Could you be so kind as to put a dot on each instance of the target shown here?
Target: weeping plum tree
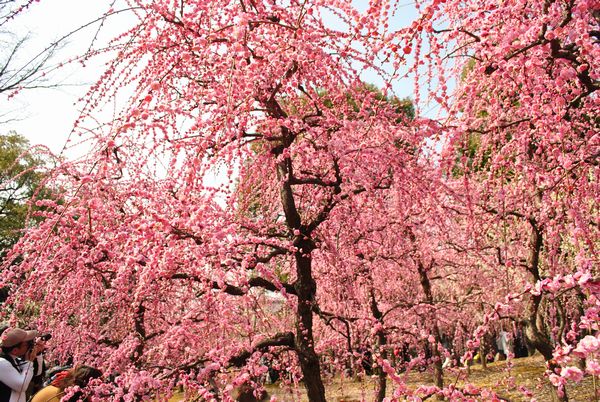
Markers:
(529, 97)
(410, 286)
(150, 272)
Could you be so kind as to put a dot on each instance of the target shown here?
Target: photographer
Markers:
(19, 351)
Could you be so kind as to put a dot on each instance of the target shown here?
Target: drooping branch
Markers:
(285, 339)
(255, 282)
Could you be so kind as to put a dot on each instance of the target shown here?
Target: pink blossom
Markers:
(556, 380)
(589, 344)
(572, 373)
(336, 213)
(471, 389)
(592, 367)
(585, 277)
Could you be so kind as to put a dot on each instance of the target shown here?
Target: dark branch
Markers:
(282, 339)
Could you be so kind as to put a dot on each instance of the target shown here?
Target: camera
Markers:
(45, 337)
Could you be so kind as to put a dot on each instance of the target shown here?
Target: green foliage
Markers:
(20, 179)
(403, 107)
(468, 67)
(476, 159)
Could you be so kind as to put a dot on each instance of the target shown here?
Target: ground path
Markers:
(527, 372)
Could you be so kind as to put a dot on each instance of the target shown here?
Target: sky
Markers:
(46, 116)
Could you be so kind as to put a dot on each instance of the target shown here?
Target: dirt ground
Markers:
(527, 372)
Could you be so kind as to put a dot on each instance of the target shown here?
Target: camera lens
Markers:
(45, 337)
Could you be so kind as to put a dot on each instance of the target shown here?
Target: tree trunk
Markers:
(534, 331)
(381, 343)
(306, 288)
(438, 372)
(309, 360)
(542, 344)
(381, 384)
(483, 354)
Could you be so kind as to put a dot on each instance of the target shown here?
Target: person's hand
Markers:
(35, 350)
(41, 345)
(31, 354)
